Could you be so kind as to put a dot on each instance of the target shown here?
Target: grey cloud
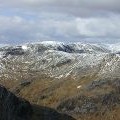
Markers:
(82, 8)
(16, 29)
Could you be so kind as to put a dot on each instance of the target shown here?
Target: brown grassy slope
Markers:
(46, 91)
(49, 92)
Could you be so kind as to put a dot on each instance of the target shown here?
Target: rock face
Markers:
(12, 107)
(14, 51)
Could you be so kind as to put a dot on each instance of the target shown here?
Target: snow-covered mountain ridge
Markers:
(58, 59)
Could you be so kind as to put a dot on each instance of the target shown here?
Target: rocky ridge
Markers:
(59, 60)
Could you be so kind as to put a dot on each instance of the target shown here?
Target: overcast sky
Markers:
(24, 21)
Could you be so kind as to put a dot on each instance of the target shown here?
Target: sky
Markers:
(95, 21)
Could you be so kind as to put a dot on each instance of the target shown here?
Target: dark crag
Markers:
(12, 107)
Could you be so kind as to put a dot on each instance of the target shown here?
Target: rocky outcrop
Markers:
(87, 105)
(103, 95)
(14, 51)
(12, 107)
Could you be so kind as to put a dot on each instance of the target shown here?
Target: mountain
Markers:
(72, 78)
(58, 59)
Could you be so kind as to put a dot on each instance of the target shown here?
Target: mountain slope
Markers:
(67, 77)
(59, 59)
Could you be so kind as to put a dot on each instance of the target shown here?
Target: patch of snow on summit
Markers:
(53, 43)
(24, 47)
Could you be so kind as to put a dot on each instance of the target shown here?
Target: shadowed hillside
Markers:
(45, 113)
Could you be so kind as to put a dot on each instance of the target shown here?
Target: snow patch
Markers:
(78, 87)
(24, 47)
